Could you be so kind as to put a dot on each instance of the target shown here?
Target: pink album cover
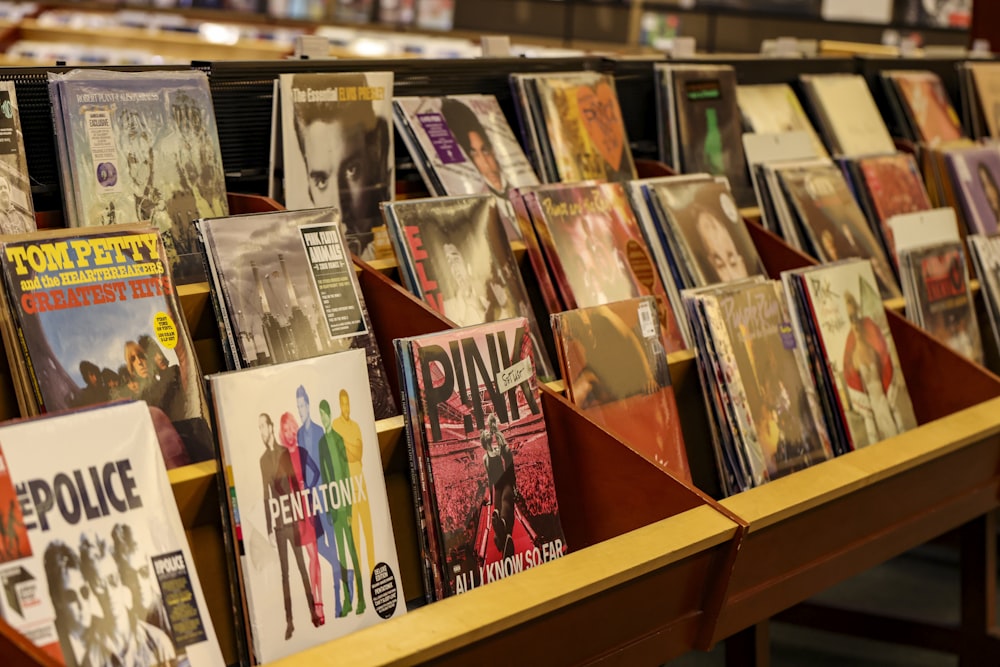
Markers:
(596, 249)
(491, 488)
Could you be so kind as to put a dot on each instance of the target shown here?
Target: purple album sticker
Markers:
(787, 335)
(441, 137)
(107, 174)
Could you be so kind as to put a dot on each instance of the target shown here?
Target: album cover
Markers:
(487, 464)
(741, 457)
(287, 290)
(709, 128)
(860, 355)
(584, 127)
(893, 185)
(833, 222)
(308, 501)
(93, 317)
(466, 143)
(774, 108)
(848, 117)
(975, 176)
(941, 302)
(614, 364)
(338, 152)
(926, 105)
(779, 391)
(104, 575)
(456, 257)
(986, 86)
(462, 145)
(985, 252)
(17, 211)
(141, 147)
(712, 239)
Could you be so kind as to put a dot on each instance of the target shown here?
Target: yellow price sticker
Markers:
(166, 330)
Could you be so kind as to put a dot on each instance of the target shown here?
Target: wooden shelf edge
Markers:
(390, 434)
(171, 43)
(457, 622)
(792, 495)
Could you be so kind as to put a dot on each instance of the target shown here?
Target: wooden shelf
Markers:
(173, 46)
(648, 582)
(656, 567)
(680, 570)
(862, 508)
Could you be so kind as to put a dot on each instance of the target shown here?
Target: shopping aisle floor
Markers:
(922, 585)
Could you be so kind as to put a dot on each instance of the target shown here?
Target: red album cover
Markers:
(596, 250)
(928, 106)
(894, 186)
(534, 250)
(947, 311)
(615, 366)
(14, 542)
(483, 431)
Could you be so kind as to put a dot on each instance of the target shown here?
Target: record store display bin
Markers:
(656, 567)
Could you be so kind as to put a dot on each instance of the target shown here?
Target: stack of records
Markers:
(615, 367)
(776, 211)
(888, 185)
(818, 214)
(934, 167)
(92, 316)
(596, 250)
(284, 288)
(763, 410)
(479, 457)
(572, 125)
(849, 120)
(700, 128)
(550, 299)
(985, 253)
(979, 84)
(454, 255)
(839, 317)
(773, 108)
(920, 106)
(304, 473)
(938, 299)
(696, 232)
(137, 147)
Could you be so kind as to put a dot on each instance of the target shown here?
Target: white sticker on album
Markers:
(104, 154)
(647, 321)
(510, 377)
